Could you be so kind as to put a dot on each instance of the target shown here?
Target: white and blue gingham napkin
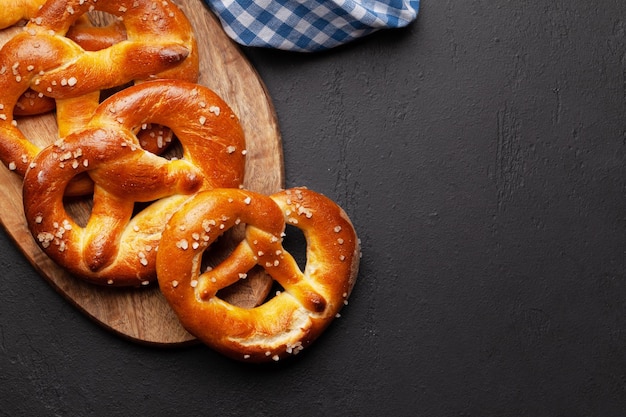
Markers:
(309, 25)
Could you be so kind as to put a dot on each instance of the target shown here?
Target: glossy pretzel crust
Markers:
(116, 247)
(158, 43)
(308, 301)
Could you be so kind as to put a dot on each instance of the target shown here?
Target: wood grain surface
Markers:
(142, 314)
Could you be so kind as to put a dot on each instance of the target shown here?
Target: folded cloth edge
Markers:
(309, 25)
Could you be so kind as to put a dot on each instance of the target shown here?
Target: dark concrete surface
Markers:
(481, 155)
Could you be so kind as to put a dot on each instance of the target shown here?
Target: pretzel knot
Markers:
(116, 246)
(159, 43)
(83, 32)
(309, 299)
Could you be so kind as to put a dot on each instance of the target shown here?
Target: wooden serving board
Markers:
(142, 314)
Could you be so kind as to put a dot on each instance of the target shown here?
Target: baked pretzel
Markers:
(159, 40)
(115, 247)
(309, 299)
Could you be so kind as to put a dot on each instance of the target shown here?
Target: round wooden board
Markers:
(142, 314)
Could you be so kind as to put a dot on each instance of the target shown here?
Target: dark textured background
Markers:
(481, 155)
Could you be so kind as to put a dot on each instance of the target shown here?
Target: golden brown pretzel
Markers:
(159, 40)
(309, 300)
(115, 247)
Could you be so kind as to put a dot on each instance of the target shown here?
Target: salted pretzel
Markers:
(83, 32)
(308, 301)
(159, 40)
(116, 246)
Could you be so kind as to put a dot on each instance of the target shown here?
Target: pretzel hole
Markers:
(98, 30)
(172, 149)
(42, 132)
(295, 243)
(79, 208)
(274, 291)
(99, 18)
(251, 292)
(159, 140)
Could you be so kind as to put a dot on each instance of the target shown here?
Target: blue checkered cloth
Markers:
(309, 25)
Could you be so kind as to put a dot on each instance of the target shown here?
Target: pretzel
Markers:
(159, 43)
(114, 247)
(309, 301)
